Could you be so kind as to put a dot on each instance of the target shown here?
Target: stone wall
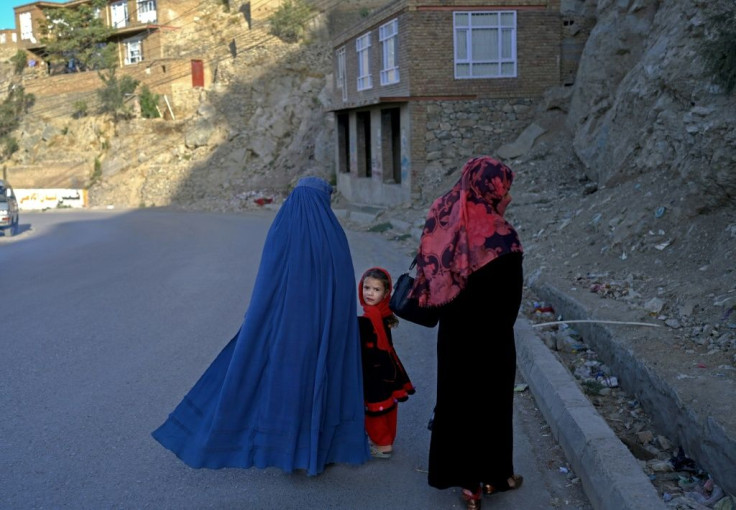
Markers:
(458, 130)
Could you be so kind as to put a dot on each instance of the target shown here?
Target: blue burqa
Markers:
(287, 390)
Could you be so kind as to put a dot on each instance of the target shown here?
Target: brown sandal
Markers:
(511, 484)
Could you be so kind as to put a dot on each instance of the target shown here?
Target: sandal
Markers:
(378, 454)
(472, 499)
(511, 484)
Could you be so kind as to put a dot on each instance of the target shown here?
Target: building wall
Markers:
(444, 120)
(56, 95)
(37, 18)
(458, 130)
(8, 38)
(538, 47)
(373, 95)
(380, 188)
(426, 53)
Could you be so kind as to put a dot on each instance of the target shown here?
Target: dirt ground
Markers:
(643, 243)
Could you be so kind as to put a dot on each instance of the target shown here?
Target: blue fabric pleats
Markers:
(286, 391)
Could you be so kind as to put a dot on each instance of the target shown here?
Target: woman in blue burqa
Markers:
(287, 390)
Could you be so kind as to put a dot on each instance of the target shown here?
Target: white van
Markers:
(8, 210)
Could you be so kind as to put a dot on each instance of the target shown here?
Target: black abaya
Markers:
(472, 433)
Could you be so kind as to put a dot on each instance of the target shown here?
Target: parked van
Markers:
(8, 210)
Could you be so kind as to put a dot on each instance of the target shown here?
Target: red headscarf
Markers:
(465, 230)
(376, 313)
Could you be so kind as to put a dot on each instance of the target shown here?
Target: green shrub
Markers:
(11, 111)
(20, 61)
(288, 22)
(80, 109)
(96, 173)
(9, 146)
(149, 103)
(719, 50)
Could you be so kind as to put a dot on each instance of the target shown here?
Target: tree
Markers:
(149, 103)
(114, 93)
(78, 36)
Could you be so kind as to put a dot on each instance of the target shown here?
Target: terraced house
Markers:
(147, 38)
(421, 85)
(139, 25)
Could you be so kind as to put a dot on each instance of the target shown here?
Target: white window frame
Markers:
(341, 77)
(474, 34)
(362, 48)
(147, 11)
(26, 27)
(133, 50)
(116, 9)
(388, 35)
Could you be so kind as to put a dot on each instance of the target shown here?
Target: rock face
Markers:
(643, 102)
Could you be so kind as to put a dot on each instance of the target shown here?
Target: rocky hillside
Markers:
(260, 126)
(644, 135)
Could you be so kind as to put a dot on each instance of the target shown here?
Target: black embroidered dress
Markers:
(385, 381)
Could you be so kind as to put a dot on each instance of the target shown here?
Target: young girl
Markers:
(385, 381)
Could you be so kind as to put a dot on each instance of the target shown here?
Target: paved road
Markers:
(109, 317)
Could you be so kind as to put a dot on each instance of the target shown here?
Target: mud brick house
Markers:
(422, 85)
(8, 38)
(148, 50)
(139, 25)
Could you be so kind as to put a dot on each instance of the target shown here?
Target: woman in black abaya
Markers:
(470, 263)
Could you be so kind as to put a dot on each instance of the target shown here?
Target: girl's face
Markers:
(373, 291)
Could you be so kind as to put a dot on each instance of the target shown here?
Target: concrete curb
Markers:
(703, 427)
(612, 478)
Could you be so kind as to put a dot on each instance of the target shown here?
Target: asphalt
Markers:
(612, 477)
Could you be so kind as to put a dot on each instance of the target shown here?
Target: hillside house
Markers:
(8, 38)
(140, 25)
(422, 85)
(146, 36)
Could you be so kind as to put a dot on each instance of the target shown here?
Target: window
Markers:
(485, 44)
(147, 11)
(26, 27)
(388, 35)
(119, 11)
(362, 46)
(133, 51)
(342, 83)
